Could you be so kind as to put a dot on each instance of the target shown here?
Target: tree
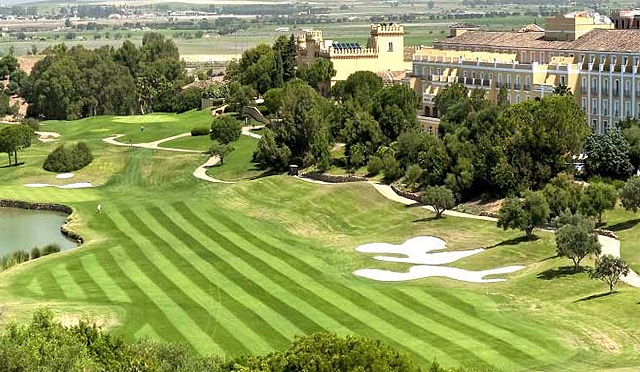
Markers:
(449, 96)
(503, 97)
(395, 110)
(318, 74)
(220, 150)
(439, 198)
(358, 128)
(563, 193)
(225, 129)
(609, 269)
(270, 154)
(362, 87)
(576, 242)
(630, 194)
(273, 100)
(526, 214)
(413, 175)
(562, 90)
(608, 155)
(239, 96)
(632, 135)
(597, 198)
(14, 138)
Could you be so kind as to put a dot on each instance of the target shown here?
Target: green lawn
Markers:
(202, 143)
(243, 268)
(238, 165)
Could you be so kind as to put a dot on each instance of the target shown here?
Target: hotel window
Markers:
(500, 79)
(627, 88)
(464, 74)
(527, 82)
(625, 59)
(581, 57)
(594, 106)
(523, 56)
(517, 86)
(605, 124)
(584, 104)
(592, 58)
(563, 80)
(390, 47)
(616, 87)
(542, 57)
(430, 70)
(627, 109)
(605, 107)
(439, 71)
(508, 80)
(616, 108)
(473, 75)
(605, 86)
(583, 85)
(602, 58)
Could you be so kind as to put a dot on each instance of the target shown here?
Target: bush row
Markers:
(200, 131)
(18, 257)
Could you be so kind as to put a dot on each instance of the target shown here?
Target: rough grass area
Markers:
(243, 268)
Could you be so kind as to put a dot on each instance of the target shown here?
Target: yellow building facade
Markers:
(579, 50)
(386, 53)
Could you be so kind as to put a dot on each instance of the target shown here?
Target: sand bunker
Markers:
(416, 252)
(79, 185)
(64, 176)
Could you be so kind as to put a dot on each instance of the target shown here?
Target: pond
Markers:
(22, 229)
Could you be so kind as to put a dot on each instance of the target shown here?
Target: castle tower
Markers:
(387, 39)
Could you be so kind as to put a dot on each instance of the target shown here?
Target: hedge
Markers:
(67, 159)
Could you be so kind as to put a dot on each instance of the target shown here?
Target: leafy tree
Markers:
(68, 159)
(608, 155)
(413, 175)
(576, 242)
(391, 168)
(597, 198)
(576, 219)
(221, 150)
(609, 269)
(239, 96)
(226, 129)
(632, 135)
(188, 99)
(439, 198)
(429, 152)
(450, 96)
(525, 214)
(375, 165)
(503, 97)
(362, 87)
(318, 74)
(359, 128)
(357, 157)
(8, 64)
(256, 69)
(273, 100)
(270, 154)
(630, 194)
(562, 194)
(395, 110)
(14, 138)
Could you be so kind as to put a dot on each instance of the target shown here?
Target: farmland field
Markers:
(242, 268)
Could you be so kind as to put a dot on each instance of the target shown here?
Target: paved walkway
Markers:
(612, 246)
(155, 145)
(247, 131)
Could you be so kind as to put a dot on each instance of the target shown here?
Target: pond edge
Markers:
(53, 207)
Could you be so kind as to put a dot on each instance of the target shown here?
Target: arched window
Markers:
(390, 46)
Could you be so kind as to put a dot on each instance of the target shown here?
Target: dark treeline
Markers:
(46, 345)
(71, 83)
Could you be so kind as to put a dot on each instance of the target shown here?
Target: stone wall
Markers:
(409, 195)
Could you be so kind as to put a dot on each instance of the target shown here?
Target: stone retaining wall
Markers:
(409, 195)
(333, 178)
(52, 207)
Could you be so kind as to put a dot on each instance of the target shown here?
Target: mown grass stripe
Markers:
(34, 288)
(229, 310)
(50, 285)
(532, 347)
(330, 299)
(111, 288)
(81, 277)
(180, 319)
(384, 313)
(247, 276)
(143, 310)
(503, 349)
(173, 288)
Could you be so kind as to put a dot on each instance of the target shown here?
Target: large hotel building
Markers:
(581, 50)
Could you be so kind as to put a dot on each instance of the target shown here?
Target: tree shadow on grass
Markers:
(427, 219)
(624, 225)
(558, 272)
(265, 173)
(12, 165)
(593, 297)
(514, 241)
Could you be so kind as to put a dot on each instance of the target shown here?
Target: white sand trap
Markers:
(416, 252)
(425, 271)
(64, 176)
(79, 185)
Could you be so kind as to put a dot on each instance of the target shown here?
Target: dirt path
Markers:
(247, 131)
(201, 171)
(612, 246)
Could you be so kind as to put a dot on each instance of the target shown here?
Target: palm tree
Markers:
(562, 90)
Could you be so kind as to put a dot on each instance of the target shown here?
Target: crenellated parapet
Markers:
(348, 53)
(387, 29)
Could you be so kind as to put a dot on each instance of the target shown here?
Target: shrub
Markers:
(50, 249)
(412, 175)
(375, 165)
(32, 123)
(392, 169)
(67, 159)
(35, 253)
(200, 131)
(14, 258)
